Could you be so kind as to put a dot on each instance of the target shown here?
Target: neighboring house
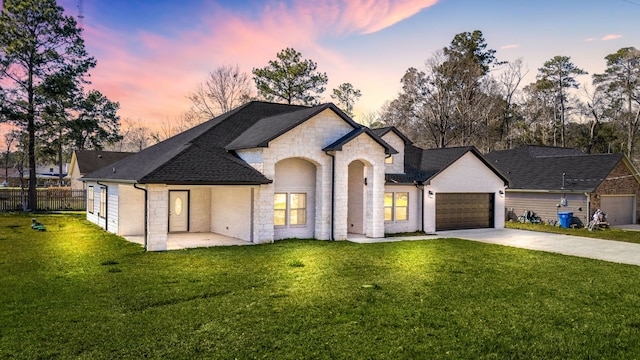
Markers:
(548, 180)
(266, 171)
(84, 162)
(46, 175)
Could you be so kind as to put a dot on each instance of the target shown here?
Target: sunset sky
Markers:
(152, 53)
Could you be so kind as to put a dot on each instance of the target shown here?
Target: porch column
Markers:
(341, 197)
(263, 214)
(375, 210)
(158, 217)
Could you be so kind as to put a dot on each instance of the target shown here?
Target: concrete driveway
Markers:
(613, 251)
(607, 250)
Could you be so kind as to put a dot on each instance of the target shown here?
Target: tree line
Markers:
(457, 99)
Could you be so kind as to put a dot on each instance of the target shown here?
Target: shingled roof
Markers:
(541, 168)
(422, 165)
(92, 160)
(205, 154)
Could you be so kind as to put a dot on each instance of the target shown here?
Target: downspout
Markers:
(333, 190)
(420, 186)
(146, 200)
(588, 208)
(106, 206)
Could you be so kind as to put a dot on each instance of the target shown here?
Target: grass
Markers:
(608, 234)
(75, 291)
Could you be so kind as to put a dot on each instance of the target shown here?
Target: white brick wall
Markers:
(414, 221)
(158, 210)
(468, 174)
(397, 167)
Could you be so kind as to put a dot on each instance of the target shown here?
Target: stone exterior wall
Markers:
(414, 221)
(158, 219)
(620, 181)
(397, 164)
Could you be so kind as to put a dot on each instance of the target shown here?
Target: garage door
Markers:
(619, 209)
(464, 211)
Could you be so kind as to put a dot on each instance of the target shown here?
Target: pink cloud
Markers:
(589, 39)
(611, 37)
(510, 46)
(150, 75)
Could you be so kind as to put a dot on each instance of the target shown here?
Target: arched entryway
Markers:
(294, 199)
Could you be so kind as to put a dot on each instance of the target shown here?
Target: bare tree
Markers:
(225, 88)
(510, 81)
(135, 136)
(169, 128)
(9, 138)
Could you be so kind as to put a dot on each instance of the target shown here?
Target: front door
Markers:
(178, 211)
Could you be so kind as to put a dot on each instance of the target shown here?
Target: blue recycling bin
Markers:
(565, 219)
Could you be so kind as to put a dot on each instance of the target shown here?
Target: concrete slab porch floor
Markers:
(178, 241)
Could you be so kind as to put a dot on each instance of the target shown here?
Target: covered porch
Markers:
(179, 241)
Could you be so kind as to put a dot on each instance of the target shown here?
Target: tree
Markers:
(452, 100)
(621, 81)
(37, 41)
(557, 76)
(10, 138)
(225, 88)
(96, 122)
(346, 95)
(510, 81)
(290, 79)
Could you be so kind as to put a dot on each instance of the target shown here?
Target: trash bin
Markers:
(566, 218)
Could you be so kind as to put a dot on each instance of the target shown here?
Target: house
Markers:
(84, 162)
(548, 180)
(266, 171)
(46, 175)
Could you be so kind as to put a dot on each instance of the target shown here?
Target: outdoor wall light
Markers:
(431, 194)
(365, 181)
(501, 192)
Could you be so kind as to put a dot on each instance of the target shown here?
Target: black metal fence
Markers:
(49, 199)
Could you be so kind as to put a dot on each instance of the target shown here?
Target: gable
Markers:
(468, 173)
(317, 132)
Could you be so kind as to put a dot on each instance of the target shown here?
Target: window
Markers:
(90, 203)
(298, 212)
(280, 209)
(388, 160)
(289, 209)
(396, 206)
(103, 202)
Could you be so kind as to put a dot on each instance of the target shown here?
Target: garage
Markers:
(464, 211)
(619, 209)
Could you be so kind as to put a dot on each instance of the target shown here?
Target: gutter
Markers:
(146, 216)
(420, 186)
(333, 191)
(106, 206)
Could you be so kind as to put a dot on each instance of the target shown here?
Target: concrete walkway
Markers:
(607, 250)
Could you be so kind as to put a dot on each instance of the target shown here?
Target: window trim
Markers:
(287, 210)
(91, 199)
(103, 202)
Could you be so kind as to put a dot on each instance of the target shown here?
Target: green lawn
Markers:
(76, 292)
